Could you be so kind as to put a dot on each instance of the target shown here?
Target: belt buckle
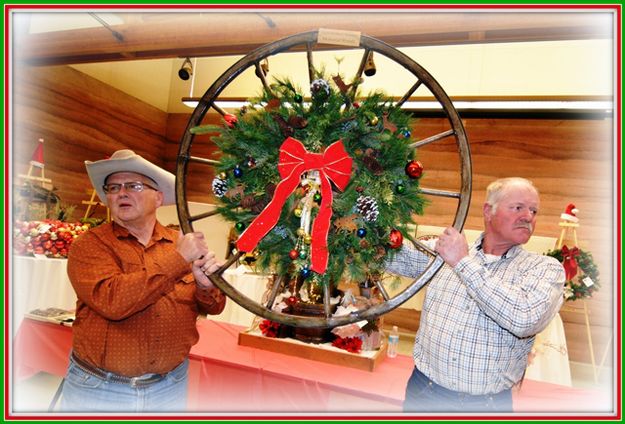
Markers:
(134, 381)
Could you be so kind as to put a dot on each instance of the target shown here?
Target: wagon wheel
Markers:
(306, 41)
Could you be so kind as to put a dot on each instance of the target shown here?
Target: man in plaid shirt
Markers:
(483, 308)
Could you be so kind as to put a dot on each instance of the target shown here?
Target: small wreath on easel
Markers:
(582, 275)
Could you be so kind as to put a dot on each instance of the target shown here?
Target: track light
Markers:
(186, 70)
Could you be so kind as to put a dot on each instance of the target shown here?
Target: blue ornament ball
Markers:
(238, 172)
(305, 272)
(361, 232)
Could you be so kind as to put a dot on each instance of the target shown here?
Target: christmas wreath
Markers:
(582, 275)
(323, 188)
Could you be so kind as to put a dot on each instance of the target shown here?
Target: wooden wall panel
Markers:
(80, 118)
(569, 161)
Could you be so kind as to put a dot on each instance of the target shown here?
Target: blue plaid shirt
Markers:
(479, 318)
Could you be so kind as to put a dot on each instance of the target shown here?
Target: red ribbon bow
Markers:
(334, 164)
(569, 262)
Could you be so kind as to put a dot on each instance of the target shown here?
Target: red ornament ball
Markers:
(292, 300)
(395, 239)
(293, 254)
(230, 119)
(414, 169)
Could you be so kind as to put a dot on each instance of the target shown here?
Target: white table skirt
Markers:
(39, 283)
(248, 283)
(549, 359)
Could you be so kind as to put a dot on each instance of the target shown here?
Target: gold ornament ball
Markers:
(307, 239)
(300, 232)
(374, 120)
(222, 175)
(297, 212)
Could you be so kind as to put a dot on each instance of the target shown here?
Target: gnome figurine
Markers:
(570, 214)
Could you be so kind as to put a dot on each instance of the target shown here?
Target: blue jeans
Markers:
(423, 395)
(84, 392)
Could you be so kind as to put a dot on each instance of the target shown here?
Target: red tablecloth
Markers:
(226, 377)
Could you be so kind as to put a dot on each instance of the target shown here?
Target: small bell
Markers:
(263, 69)
(370, 66)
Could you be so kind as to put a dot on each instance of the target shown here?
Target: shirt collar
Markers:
(511, 253)
(159, 233)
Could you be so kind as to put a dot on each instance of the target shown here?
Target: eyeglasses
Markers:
(132, 186)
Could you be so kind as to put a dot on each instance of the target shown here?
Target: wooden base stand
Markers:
(366, 360)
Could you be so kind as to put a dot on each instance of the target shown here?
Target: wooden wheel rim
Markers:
(252, 59)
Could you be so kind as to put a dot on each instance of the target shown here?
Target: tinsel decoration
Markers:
(368, 208)
(220, 186)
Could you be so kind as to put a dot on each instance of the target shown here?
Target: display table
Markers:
(248, 283)
(549, 359)
(39, 284)
(226, 377)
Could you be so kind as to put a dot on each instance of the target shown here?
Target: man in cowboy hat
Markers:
(140, 289)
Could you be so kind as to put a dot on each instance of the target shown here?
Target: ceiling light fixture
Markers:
(186, 70)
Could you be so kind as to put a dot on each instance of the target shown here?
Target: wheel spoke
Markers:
(205, 161)
(409, 93)
(432, 139)
(442, 193)
(203, 215)
(382, 290)
(326, 300)
(423, 247)
(277, 284)
(229, 262)
(361, 68)
(311, 66)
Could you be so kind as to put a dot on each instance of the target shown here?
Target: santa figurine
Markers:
(570, 213)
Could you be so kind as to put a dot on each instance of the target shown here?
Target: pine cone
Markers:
(248, 201)
(320, 87)
(219, 187)
(373, 165)
(368, 208)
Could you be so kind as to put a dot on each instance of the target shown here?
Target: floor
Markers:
(36, 393)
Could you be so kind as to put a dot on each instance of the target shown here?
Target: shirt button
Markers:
(453, 359)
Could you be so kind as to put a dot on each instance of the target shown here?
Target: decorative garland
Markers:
(322, 190)
(581, 271)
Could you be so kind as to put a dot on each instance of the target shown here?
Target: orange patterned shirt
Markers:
(137, 305)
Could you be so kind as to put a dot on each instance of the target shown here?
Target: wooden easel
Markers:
(571, 227)
(41, 179)
(37, 162)
(44, 182)
(92, 204)
(567, 227)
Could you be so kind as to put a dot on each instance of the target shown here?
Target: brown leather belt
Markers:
(144, 380)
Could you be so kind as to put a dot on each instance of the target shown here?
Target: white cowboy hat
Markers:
(128, 161)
